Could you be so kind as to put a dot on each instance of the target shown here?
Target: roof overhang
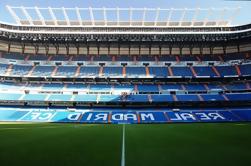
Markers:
(123, 17)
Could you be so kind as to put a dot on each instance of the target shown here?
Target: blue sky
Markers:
(244, 16)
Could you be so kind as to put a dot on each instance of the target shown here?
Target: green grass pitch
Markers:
(145, 145)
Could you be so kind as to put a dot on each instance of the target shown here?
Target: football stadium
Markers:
(128, 86)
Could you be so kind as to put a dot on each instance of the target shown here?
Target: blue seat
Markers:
(236, 86)
(245, 70)
(187, 58)
(10, 96)
(10, 85)
(43, 71)
(85, 98)
(209, 58)
(137, 98)
(68, 71)
(102, 58)
(89, 71)
(59, 97)
(171, 87)
(239, 97)
(3, 68)
(53, 86)
(59, 57)
(142, 58)
(121, 58)
(20, 70)
(80, 58)
(112, 71)
(161, 98)
(233, 56)
(214, 86)
(77, 86)
(187, 98)
(148, 88)
(158, 71)
(226, 70)
(15, 56)
(212, 97)
(182, 71)
(124, 88)
(110, 98)
(167, 58)
(100, 88)
(39, 57)
(195, 87)
(35, 97)
(135, 71)
(204, 71)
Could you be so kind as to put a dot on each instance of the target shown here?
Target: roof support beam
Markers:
(156, 17)
(13, 14)
(169, 16)
(130, 16)
(105, 16)
(27, 18)
(182, 16)
(66, 16)
(79, 16)
(144, 17)
(40, 15)
(91, 15)
(27, 15)
(53, 15)
(117, 16)
(196, 13)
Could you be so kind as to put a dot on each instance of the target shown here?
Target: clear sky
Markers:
(244, 16)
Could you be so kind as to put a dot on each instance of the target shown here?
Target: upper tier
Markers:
(127, 58)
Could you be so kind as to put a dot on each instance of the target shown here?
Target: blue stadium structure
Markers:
(51, 67)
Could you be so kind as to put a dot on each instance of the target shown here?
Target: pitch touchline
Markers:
(123, 147)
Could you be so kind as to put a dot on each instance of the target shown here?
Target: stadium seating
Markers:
(85, 98)
(182, 71)
(67, 71)
(100, 88)
(182, 66)
(40, 57)
(136, 98)
(139, 88)
(245, 70)
(161, 98)
(34, 97)
(158, 71)
(204, 71)
(112, 71)
(19, 70)
(80, 58)
(43, 71)
(89, 71)
(130, 71)
(147, 88)
(105, 57)
(135, 72)
(227, 71)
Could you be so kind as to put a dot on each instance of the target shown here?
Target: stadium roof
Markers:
(123, 17)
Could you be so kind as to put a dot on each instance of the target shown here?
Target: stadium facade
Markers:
(116, 65)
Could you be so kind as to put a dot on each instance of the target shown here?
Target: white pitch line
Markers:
(123, 147)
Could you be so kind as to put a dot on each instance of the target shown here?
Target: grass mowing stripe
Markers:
(123, 147)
